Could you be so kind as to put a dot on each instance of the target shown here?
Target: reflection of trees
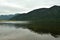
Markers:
(52, 28)
(54, 35)
(47, 27)
(20, 25)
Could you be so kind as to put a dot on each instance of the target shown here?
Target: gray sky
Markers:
(20, 6)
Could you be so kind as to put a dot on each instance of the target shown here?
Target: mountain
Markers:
(41, 14)
(5, 17)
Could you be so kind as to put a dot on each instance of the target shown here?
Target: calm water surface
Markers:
(9, 32)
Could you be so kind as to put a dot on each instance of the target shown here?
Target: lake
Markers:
(10, 32)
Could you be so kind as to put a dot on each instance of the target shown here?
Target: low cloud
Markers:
(25, 5)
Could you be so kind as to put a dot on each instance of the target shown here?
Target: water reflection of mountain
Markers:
(41, 30)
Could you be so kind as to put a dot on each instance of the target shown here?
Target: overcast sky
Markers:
(20, 6)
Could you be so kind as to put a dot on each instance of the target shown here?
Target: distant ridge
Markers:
(5, 17)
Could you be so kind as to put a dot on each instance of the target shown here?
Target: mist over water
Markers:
(9, 32)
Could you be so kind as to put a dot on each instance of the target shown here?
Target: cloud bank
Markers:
(21, 6)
